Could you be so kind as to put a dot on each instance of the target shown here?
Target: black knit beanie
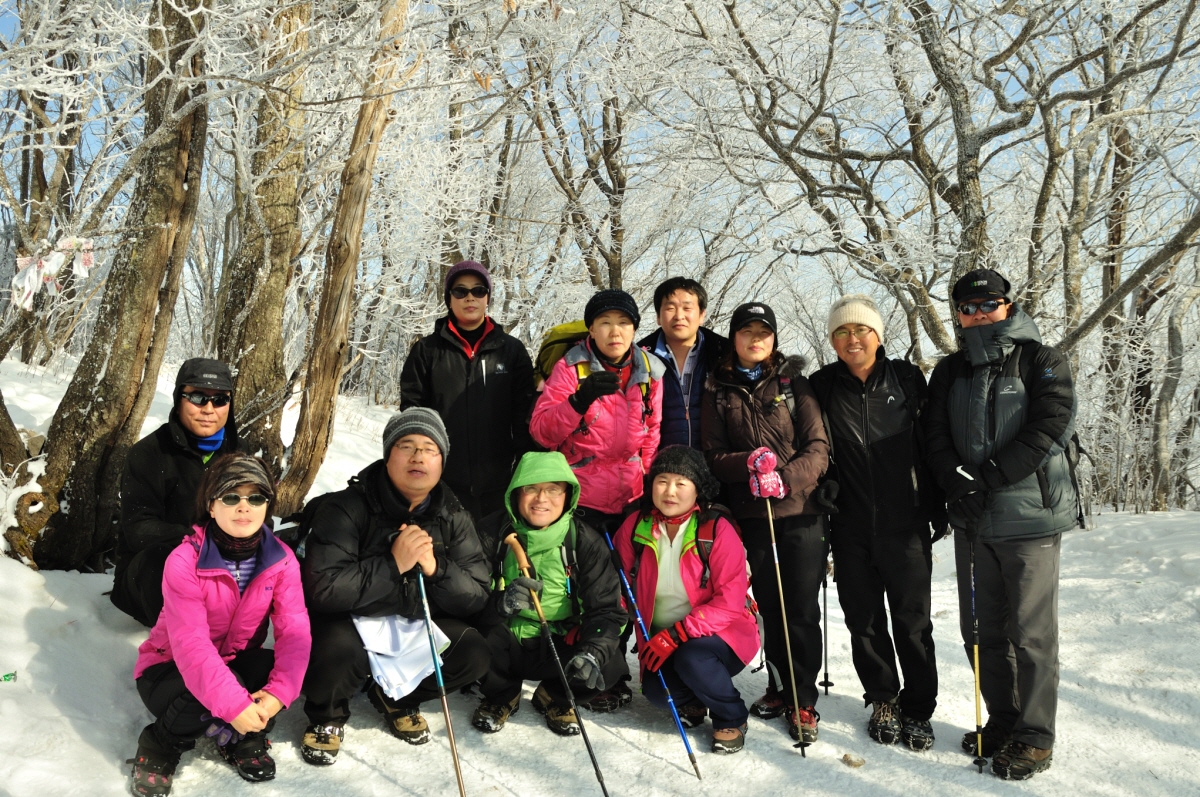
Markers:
(603, 301)
(689, 463)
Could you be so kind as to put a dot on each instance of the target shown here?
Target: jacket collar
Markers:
(270, 552)
(383, 498)
(491, 339)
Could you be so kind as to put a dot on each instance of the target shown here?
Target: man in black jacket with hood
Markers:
(480, 380)
(158, 484)
(367, 545)
(1000, 422)
(883, 509)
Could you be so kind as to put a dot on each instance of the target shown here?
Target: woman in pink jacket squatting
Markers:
(702, 633)
(204, 671)
(602, 408)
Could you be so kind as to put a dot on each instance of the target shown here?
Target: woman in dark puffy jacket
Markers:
(763, 437)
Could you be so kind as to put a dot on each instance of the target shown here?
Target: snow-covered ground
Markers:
(1129, 697)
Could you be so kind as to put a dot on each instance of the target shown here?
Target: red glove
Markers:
(661, 646)
(768, 485)
(761, 460)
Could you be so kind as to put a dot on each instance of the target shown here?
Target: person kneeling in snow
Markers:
(688, 571)
(579, 593)
(203, 670)
(368, 544)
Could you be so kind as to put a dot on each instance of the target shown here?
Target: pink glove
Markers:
(768, 485)
(762, 460)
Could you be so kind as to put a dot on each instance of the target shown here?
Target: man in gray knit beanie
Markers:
(416, 420)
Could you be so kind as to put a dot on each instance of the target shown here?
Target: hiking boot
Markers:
(994, 738)
(610, 699)
(560, 719)
(153, 765)
(692, 715)
(250, 757)
(769, 706)
(729, 740)
(884, 725)
(490, 717)
(406, 722)
(916, 734)
(1020, 761)
(321, 744)
(808, 723)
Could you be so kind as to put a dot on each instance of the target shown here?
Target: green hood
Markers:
(535, 468)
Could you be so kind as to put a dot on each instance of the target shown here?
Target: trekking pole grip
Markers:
(523, 565)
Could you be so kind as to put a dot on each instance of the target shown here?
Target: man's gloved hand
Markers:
(974, 479)
(660, 647)
(597, 385)
(584, 668)
(826, 496)
(971, 507)
(762, 460)
(768, 485)
(516, 597)
(938, 531)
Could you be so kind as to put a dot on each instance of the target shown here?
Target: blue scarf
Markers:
(751, 375)
(211, 443)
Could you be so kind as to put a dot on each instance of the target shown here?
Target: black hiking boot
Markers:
(250, 757)
(153, 765)
(994, 738)
(610, 699)
(692, 715)
(808, 723)
(884, 725)
(916, 734)
(769, 706)
(1021, 761)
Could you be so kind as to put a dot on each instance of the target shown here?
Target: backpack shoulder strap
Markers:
(571, 567)
(706, 532)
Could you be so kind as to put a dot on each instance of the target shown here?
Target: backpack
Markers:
(706, 530)
(555, 343)
(295, 528)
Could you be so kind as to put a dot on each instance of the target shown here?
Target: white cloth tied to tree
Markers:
(31, 276)
(398, 649)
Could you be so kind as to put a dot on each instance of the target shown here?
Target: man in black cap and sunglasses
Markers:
(999, 430)
(158, 485)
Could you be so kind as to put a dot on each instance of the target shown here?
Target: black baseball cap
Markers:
(204, 373)
(749, 312)
(982, 283)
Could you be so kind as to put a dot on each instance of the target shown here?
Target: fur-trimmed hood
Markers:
(790, 366)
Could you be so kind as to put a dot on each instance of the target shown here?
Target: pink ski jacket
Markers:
(611, 446)
(205, 622)
(719, 608)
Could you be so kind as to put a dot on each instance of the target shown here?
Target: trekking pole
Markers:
(825, 625)
(979, 759)
(662, 679)
(437, 669)
(523, 565)
(787, 640)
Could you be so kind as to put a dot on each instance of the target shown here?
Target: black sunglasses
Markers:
(233, 499)
(459, 292)
(200, 399)
(987, 306)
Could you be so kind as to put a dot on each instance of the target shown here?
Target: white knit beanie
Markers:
(856, 308)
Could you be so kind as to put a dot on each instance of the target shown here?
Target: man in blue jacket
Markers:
(690, 351)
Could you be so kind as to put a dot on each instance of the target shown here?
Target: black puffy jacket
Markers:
(484, 400)
(348, 565)
(1007, 398)
(877, 452)
(680, 413)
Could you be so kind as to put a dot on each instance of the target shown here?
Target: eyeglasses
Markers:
(200, 399)
(841, 333)
(408, 450)
(233, 499)
(550, 490)
(459, 292)
(987, 306)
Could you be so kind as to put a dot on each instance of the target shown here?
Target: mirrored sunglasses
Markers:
(200, 399)
(459, 292)
(987, 306)
(233, 499)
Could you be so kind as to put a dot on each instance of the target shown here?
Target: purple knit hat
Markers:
(459, 268)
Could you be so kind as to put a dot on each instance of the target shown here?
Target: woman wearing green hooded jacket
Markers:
(578, 589)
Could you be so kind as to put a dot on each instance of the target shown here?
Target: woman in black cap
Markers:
(763, 437)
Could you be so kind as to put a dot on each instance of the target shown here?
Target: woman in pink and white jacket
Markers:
(204, 671)
(688, 568)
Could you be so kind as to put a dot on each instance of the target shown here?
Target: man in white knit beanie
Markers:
(882, 503)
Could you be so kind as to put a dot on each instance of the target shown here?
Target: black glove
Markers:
(601, 383)
(938, 531)
(973, 479)
(516, 597)
(584, 668)
(971, 508)
(826, 496)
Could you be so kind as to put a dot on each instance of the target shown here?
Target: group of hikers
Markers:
(671, 491)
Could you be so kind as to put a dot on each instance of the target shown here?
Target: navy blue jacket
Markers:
(680, 418)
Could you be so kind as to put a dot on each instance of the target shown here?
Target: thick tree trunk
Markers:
(102, 399)
(330, 340)
(1161, 464)
(257, 279)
